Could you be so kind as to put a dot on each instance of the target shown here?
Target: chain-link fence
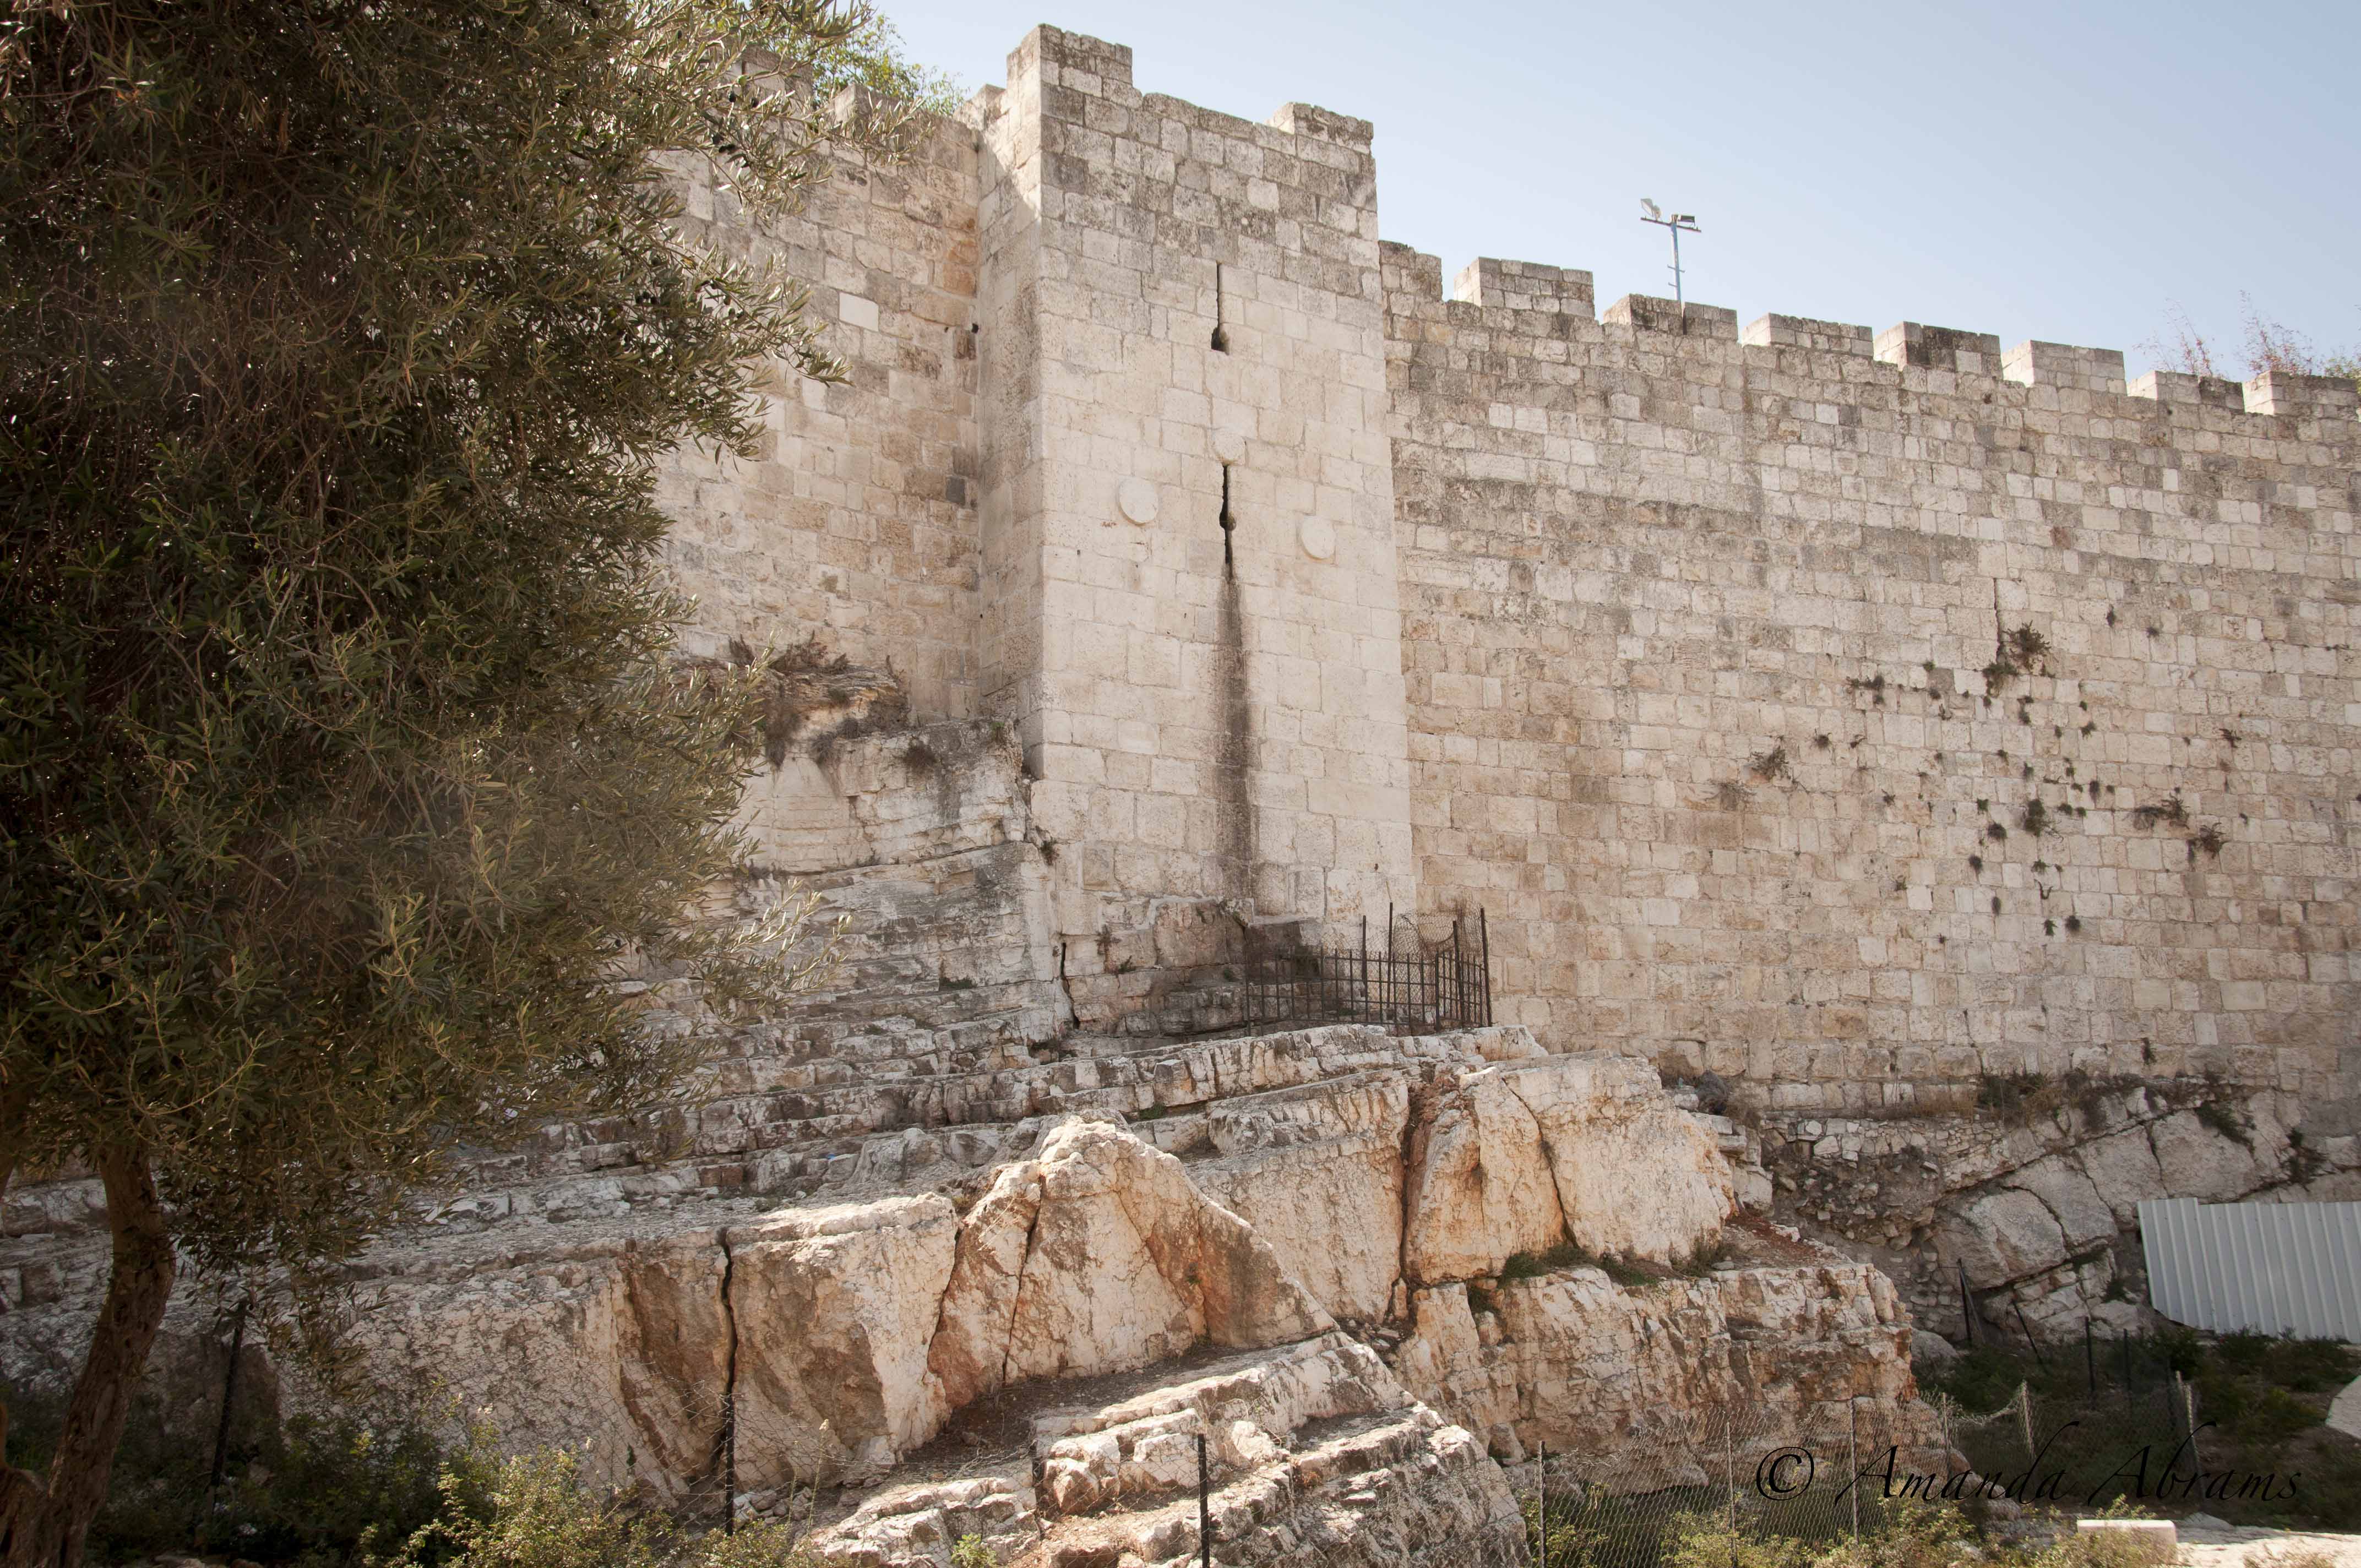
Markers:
(1697, 1490)
(2119, 1441)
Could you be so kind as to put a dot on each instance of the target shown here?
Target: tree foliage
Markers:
(352, 803)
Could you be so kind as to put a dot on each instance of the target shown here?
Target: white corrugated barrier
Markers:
(2292, 1268)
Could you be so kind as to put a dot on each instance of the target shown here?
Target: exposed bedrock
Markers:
(2036, 1200)
(1442, 1198)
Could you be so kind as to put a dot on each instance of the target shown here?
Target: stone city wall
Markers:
(1856, 716)
(856, 520)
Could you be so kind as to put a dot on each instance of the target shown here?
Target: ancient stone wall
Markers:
(1855, 714)
(1856, 718)
(856, 520)
(1188, 602)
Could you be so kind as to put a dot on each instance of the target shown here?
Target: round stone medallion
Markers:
(1229, 445)
(1137, 500)
(1319, 536)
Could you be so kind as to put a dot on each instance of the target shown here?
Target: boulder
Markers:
(2195, 1161)
(1519, 1158)
(835, 1309)
(2084, 1219)
(2123, 1172)
(1099, 1255)
(1591, 1368)
(1932, 1348)
(1318, 1173)
(2007, 1234)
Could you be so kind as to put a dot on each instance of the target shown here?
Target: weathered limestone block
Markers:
(616, 1348)
(1518, 1158)
(2005, 1234)
(2198, 1162)
(1098, 1255)
(1571, 1360)
(1480, 1187)
(1318, 1173)
(2123, 1171)
(835, 1308)
(2083, 1218)
(917, 1525)
(1248, 1412)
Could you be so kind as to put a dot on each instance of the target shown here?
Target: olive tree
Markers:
(347, 770)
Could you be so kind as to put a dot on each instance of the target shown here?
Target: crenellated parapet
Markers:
(1517, 300)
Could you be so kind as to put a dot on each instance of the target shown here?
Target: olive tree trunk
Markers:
(44, 1526)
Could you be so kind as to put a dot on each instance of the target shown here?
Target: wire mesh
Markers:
(2123, 1440)
(1729, 1475)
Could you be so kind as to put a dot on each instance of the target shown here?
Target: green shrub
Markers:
(2311, 1366)
(1707, 1541)
(311, 1491)
(532, 1511)
(2242, 1352)
(2275, 1415)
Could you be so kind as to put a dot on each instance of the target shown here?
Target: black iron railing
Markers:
(1409, 985)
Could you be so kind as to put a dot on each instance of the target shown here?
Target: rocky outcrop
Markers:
(2036, 1203)
(1309, 1448)
(1571, 1362)
(1020, 1330)
(1519, 1158)
(1100, 1255)
(834, 1311)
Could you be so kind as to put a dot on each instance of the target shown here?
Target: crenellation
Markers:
(2174, 387)
(1802, 332)
(1940, 348)
(1326, 125)
(2303, 397)
(1645, 312)
(2064, 365)
(1524, 286)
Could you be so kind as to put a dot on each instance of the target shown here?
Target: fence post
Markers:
(1484, 936)
(1729, 1476)
(2189, 1412)
(1853, 1465)
(2025, 1418)
(1541, 1506)
(1204, 1507)
(221, 1432)
(2031, 1344)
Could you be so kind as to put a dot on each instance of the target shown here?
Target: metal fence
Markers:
(2273, 1268)
(1698, 1489)
(1755, 1486)
(1401, 981)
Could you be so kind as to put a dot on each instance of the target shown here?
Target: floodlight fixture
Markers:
(1674, 226)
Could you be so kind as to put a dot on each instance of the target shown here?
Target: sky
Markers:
(2073, 172)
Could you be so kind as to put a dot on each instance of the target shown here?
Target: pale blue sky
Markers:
(2040, 171)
